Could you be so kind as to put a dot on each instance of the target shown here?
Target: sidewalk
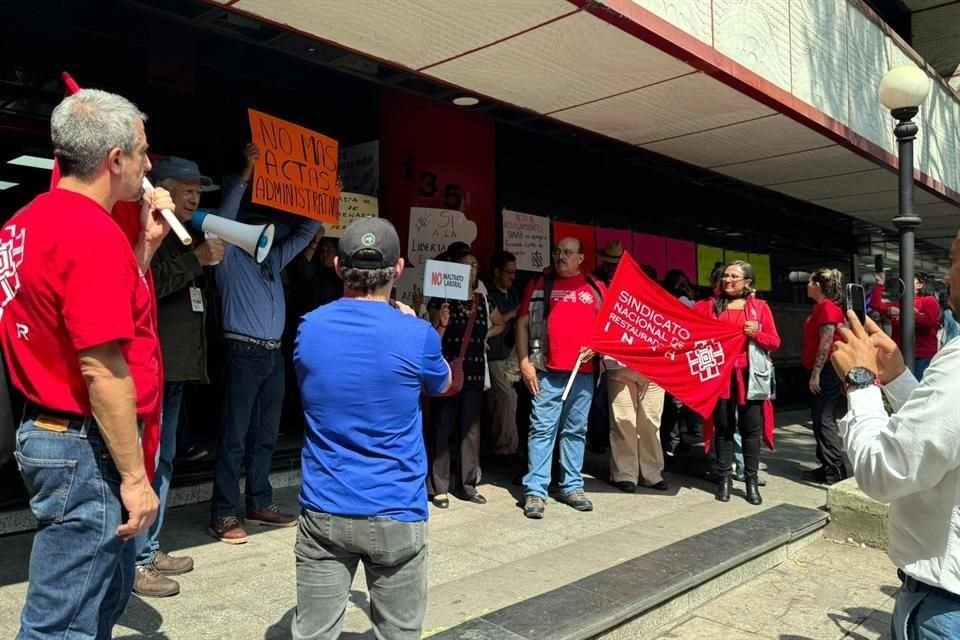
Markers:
(482, 558)
(828, 591)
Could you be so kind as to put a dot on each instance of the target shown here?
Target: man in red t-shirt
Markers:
(78, 333)
(549, 345)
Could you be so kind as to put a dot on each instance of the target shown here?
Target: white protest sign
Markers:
(449, 280)
(431, 232)
(528, 237)
(353, 206)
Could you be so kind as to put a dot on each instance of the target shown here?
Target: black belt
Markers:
(913, 585)
(34, 411)
(272, 345)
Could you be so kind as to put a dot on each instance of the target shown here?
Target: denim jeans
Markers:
(548, 416)
(394, 558)
(251, 420)
(924, 616)
(148, 543)
(81, 573)
(920, 366)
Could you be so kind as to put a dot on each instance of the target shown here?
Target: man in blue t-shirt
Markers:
(361, 365)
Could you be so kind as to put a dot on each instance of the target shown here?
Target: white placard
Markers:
(431, 232)
(528, 237)
(448, 280)
(353, 206)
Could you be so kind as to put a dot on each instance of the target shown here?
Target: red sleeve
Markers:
(832, 314)
(527, 294)
(928, 313)
(704, 307)
(767, 337)
(877, 303)
(99, 277)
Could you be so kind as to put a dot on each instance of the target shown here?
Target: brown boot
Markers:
(228, 530)
(150, 583)
(271, 516)
(172, 565)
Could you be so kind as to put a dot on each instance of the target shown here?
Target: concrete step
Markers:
(636, 598)
(855, 515)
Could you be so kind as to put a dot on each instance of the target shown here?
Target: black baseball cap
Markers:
(369, 243)
(180, 169)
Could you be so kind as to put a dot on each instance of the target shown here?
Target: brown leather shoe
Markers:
(228, 530)
(271, 517)
(172, 565)
(150, 583)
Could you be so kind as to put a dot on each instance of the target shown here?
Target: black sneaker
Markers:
(533, 508)
(816, 475)
(577, 500)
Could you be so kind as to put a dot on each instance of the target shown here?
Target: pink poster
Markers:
(607, 236)
(682, 255)
(651, 251)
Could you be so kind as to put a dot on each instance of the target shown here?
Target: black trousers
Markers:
(669, 425)
(457, 416)
(748, 418)
(829, 405)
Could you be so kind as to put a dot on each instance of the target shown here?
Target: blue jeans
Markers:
(81, 573)
(394, 555)
(251, 421)
(924, 616)
(149, 543)
(547, 416)
(920, 366)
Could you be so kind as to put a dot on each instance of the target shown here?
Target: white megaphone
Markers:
(255, 239)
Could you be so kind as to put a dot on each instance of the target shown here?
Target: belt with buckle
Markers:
(913, 585)
(272, 345)
(36, 412)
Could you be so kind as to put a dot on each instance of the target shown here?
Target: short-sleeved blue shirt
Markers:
(360, 366)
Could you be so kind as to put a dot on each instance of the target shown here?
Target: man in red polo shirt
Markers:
(77, 326)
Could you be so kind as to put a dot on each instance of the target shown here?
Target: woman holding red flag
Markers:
(736, 305)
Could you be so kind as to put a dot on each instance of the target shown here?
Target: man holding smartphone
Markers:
(911, 460)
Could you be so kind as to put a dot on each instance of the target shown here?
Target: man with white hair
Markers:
(78, 334)
(182, 302)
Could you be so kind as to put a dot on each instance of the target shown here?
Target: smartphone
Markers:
(878, 263)
(856, 301)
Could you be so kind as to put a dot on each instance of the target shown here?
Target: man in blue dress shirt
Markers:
(254, 314)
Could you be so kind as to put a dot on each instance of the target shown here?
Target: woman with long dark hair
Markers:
(458, 414)
(737, 305)
(825, 288)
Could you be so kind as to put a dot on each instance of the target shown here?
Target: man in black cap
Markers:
(361, 365)
(181, 318)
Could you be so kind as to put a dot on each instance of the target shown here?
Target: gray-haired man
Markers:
(77, 332)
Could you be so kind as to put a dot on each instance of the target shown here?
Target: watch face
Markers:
(860, 376)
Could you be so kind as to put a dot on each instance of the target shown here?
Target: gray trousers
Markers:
(394, 558)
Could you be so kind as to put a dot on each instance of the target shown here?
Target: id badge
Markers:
(196, 299)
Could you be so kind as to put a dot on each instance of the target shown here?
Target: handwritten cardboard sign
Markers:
(353, 206)
(528, 238)
(431, 232)
(450, 280)
(297, 169)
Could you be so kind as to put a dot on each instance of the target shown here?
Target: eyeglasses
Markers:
(566, 253)
(732, 278)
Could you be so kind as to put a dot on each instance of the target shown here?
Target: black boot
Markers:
(753, 492)
(723, 489)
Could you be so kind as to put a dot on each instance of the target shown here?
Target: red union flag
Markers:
(688, 354)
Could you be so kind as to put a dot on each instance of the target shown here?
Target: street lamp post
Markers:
(903, 90)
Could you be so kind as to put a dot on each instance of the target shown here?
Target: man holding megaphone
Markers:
(178, 272)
